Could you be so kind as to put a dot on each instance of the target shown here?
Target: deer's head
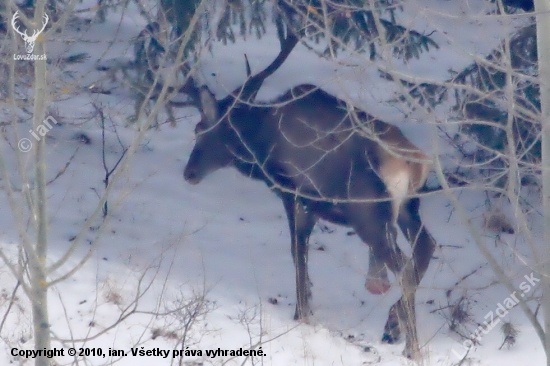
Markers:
(210, 152)
(214, 132)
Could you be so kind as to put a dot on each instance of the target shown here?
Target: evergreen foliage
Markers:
(348, 23)
(486, 107)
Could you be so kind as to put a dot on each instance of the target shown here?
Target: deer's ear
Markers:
(209, 106)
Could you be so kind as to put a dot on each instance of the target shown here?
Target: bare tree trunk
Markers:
(37, 269)
(542, 8)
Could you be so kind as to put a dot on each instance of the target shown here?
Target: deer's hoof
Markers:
(303, 315)
(392, 332)
(390, 338)
(413, 354)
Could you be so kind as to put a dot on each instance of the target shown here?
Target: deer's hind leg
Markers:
(301, 223)
(403, 311)
(374, 225)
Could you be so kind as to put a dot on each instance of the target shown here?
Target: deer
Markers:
(325, 160)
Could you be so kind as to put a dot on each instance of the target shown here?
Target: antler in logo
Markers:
(29, 40)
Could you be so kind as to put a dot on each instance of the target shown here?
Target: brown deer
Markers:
(325, 161)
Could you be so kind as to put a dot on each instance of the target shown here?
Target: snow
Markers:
(226, 240)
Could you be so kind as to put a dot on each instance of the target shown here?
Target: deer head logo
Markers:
(29, 40)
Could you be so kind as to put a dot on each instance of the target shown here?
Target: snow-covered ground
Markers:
(221, 248)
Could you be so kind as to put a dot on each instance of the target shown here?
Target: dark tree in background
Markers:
(179, 13)
(347, 23)
(486, 111)
(483, 107)
(525, 5)
(353, 24)
(3, 16)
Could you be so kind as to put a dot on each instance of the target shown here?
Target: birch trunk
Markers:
(37, 271)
